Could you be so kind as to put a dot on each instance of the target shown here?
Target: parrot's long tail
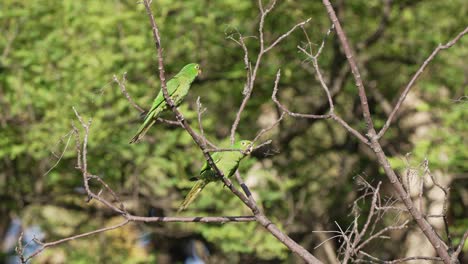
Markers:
(194, 192)
(149, 121)
(142, 131)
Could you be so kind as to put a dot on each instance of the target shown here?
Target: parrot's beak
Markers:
(199, 71)
(250, 149)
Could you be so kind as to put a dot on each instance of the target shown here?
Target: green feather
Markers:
(177, 88)
(196, 189)
(226, 161)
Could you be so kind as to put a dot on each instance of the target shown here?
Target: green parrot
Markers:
(226, 161)
(178, 88)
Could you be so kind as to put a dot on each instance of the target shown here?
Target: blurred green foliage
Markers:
(56, 55)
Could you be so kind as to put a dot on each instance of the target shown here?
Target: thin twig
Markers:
(265, 130)
(83, 166)
(416, 76)
(284, 109)
(332, 115)
(378, 234)
(54, 243)
(69, 134)
(19, 248)
(350, 129)
(446, 191)
(200, 111)
(420, 194)
(285, 35)
(250, 82)
(460, 246)
(125, 93)
(369, 217)
(113, 194)
(314, 59)
(400, 260)
(246, 152)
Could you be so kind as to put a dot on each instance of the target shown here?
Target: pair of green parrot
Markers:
(226, 161)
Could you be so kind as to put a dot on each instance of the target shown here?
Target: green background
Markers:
(55, 55)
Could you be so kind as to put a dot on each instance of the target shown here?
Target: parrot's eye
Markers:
(197, 67)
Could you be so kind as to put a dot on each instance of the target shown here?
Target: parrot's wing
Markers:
(216, 158)
(172, 86)
(157, 107)
(230, 162)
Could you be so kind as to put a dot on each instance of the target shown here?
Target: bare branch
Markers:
(320, 77)
(284, 109)
(312, 116)
(416, 76)
(285, 35)
(314, 59)
(125, 93)
(353, 131)
(369, 217)
(251, 77)
(460, 246)
(378, 234)
(83, 167)
(200, 112)
(113, 194)
(265, 130)
(50, 244)
(19, 248)
(59, 158)
(244, 187)
(192, 219)
(400, 260)
(352, 63)
(446, 191)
